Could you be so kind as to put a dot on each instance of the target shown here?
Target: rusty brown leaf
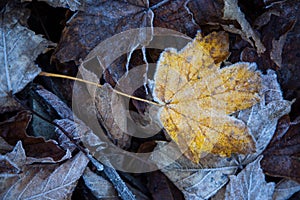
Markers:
(281, 158)
(14, 129)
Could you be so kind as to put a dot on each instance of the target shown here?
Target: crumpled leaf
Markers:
(233, 12)
(19, 47)
(279, 30)
(285, 189)
(250, 184)
(197, 97)
(43, 181)
(14, 129)
(71, 4)
(116, 16)
(284, 150)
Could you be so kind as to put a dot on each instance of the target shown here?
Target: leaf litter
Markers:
(268, 105)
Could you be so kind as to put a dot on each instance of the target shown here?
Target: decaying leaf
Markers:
(14, 129)
(43, 181)
(197, 97)
(112, 113)
(159, 186)
(4, 146)
(19, 47)
(71, 4)
(250, 184)
(233, 12)
(285, 189)
(284, 150)
(117, 16)
(109, 108)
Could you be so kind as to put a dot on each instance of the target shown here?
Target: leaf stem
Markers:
(99, 86)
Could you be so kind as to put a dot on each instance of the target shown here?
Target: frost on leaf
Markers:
(71, 4)
(205, 179)
(250, 184)
(285, 189)
(19, 47)
(262, 118)
(42, 181)
(197, 97)
(195, 181)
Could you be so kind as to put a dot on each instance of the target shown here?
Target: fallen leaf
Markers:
(276, 27)
(200, 181)
(285, 189)
(14, 129)
(284, 150)
(71, 4)
(47, 181)
(112, 112)
(262, 118)
(108, 107)
(99, 186)
(250, 184)
(12, 162)
(233, 12)
(79, 132)
(197, 97)
(159, 186)
(4, 146)
(19, 49)
(212, 170)
(115, 17)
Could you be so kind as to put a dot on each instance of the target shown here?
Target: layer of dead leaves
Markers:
(40, 138)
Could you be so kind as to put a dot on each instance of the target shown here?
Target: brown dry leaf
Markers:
(116, 16)
(4, 146)
(19, 47)
(112, 112)
(50, 181)
(197, 97)
(109, 108)
(159, 186)
(284, 150)
(250, 184)
(233, 12)
(14, 129)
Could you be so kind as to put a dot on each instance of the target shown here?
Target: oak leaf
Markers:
(197, 97)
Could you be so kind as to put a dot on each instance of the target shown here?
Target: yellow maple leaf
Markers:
(198, 97)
